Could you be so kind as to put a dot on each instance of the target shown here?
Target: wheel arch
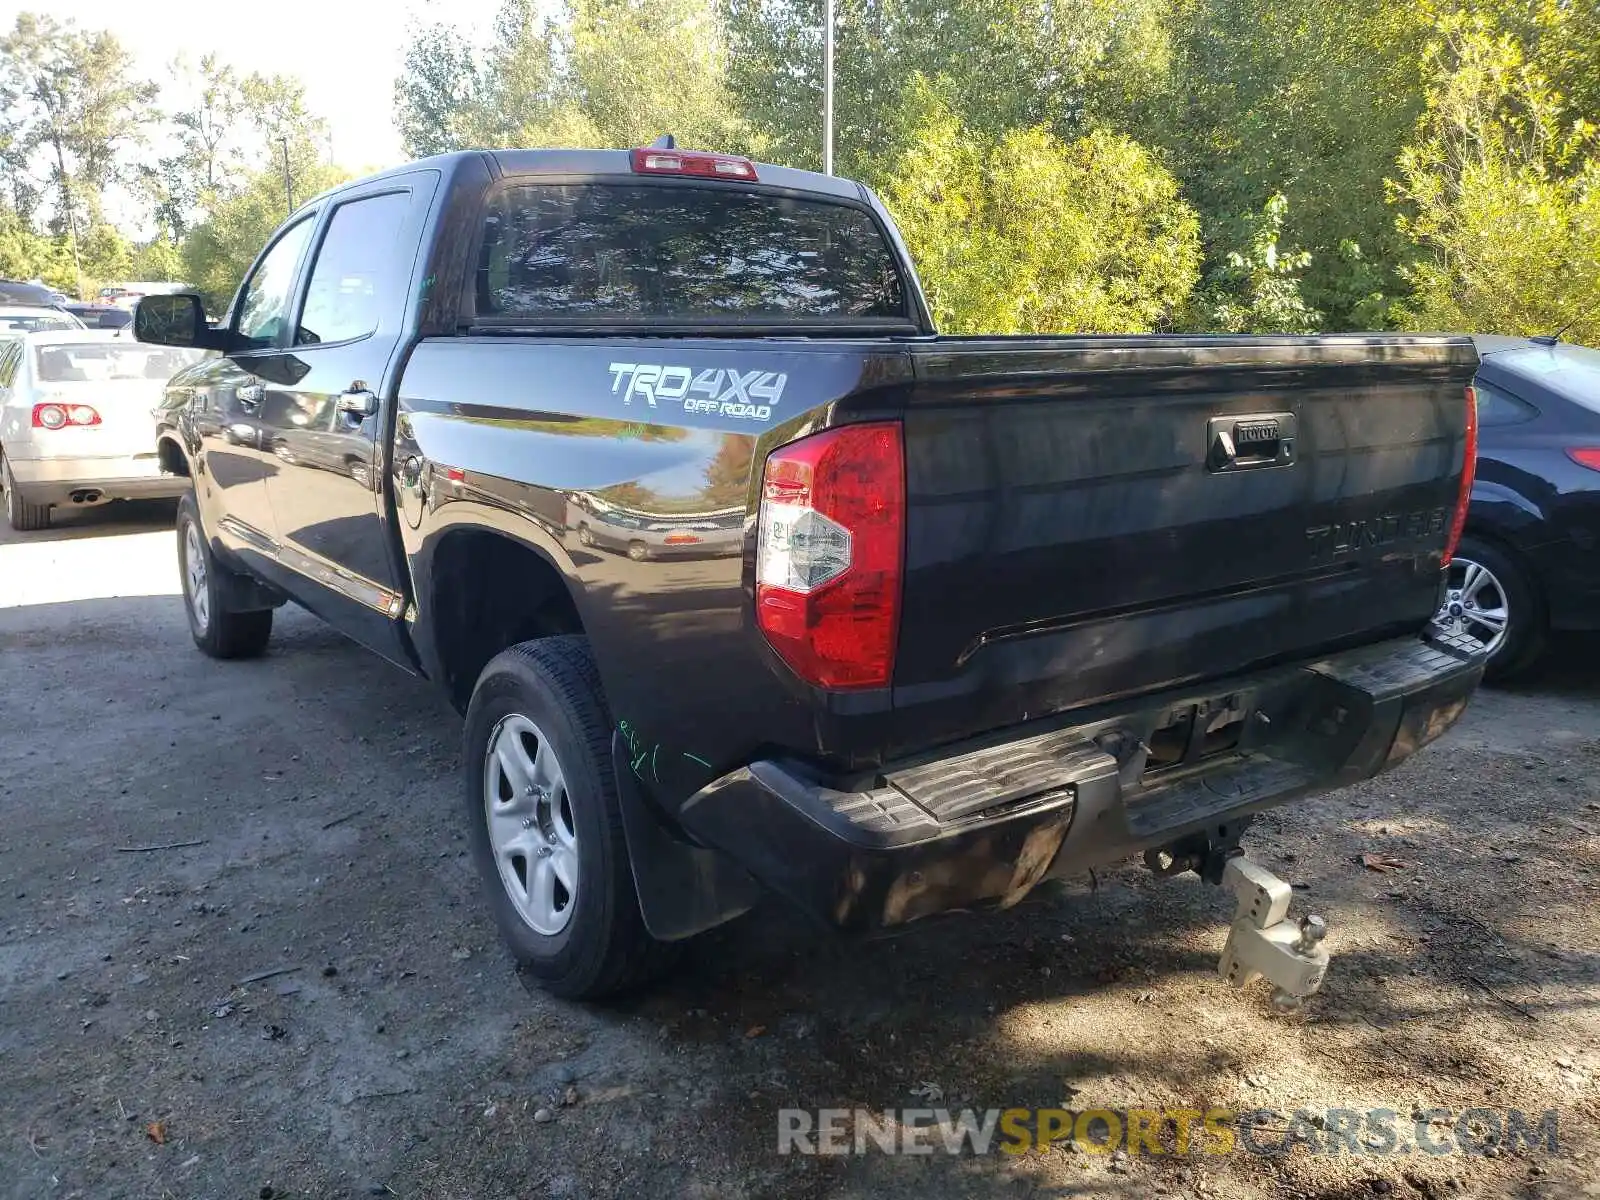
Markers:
(486, 591)
(1498, 537)
(173, 457)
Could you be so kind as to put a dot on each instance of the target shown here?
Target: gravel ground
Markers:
(146, 1052)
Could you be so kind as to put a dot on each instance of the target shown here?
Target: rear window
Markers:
(1569, 371)
(93, 362)
(632, 252)
(36, 322)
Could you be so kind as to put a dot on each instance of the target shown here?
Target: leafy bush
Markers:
(1029, 234)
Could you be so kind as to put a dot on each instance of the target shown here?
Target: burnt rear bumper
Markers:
(981, 823)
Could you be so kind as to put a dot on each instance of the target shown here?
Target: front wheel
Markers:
(546, 822)
(1491, 600)
(218, 632)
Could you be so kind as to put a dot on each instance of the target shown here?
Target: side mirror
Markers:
(174, 319)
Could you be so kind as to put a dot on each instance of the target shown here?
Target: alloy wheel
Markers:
(1476, 605)
(532, 833)
(194, 578)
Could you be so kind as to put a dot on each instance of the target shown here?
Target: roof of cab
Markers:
(596, 162)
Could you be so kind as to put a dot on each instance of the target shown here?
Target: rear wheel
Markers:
(218, 632)
(546, 822)
(20, 514)
(1490, 599)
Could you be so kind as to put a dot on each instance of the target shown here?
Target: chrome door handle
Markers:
(357, 403)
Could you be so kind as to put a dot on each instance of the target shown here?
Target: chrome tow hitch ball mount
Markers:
(1263, 943)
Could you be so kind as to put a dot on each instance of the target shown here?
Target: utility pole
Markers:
(288, 183)
(827, 88)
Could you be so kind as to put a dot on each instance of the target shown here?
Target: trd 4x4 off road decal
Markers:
(749, 395)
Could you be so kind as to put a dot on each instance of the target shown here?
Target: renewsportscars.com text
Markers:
(1377, 1132)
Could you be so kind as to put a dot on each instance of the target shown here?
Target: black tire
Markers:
(604, 947)
(1527, 622)
(218, 632)
(23, 516)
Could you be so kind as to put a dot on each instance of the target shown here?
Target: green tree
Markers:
(605, 73)
(1310, 101)
(1029, 234)
(1258, 289)
(1559, 38)
(25, 254)
(240, 179)
(1501, 191)
(80, 107)
(439, 95)
(1006, 64)
(208, 151)
(677, 44)
(106, 255)
(220, 249)
(159, 259)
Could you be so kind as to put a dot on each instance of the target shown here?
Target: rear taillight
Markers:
(58, 416)
(1469, 468)
(650, 161)
(829, 556)
(1586, 456)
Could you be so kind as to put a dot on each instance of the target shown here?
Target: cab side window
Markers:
(265, 300)
(357, 265)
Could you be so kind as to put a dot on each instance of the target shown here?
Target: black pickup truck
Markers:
(746, 579)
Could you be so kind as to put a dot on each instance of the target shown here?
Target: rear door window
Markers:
(641, 253)
(356, 265)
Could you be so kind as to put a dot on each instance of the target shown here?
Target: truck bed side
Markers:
(1066, 542)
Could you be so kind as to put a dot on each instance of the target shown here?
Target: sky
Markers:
(347, 52)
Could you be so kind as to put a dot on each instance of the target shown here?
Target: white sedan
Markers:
(75, 421)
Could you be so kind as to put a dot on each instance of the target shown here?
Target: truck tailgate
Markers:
(1094, 517)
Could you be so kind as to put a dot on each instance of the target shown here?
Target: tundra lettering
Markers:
(1343, 537)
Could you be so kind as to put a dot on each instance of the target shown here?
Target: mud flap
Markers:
(683, 889)
(243, 593)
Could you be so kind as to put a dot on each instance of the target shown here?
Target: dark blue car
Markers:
(1530, 560)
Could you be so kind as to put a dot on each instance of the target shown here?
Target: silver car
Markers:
(75, 421)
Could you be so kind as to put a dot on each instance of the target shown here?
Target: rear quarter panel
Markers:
(523, 436)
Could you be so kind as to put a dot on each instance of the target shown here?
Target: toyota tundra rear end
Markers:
(659, 452)
(1081, 598)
